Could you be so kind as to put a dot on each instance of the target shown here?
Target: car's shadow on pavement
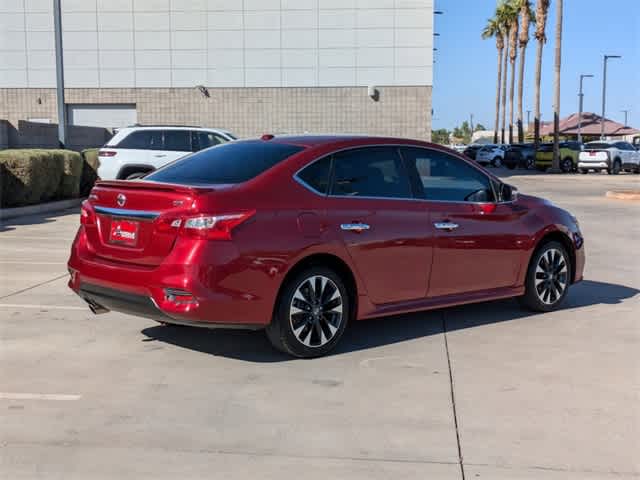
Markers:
(253, 346)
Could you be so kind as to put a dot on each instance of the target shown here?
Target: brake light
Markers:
(87, 214)
(215, 227)
(107, 153)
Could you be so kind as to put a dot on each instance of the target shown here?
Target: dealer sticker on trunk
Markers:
(124, 232)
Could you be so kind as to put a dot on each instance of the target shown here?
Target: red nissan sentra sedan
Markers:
(303, 234)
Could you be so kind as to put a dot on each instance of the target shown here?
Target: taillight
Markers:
(87, 214)
(214, 227)
(107, 153)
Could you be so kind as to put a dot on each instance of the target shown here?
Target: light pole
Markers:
(528, 118)
(62, 108)
(604, 91)
(580, 99)
(626, 117)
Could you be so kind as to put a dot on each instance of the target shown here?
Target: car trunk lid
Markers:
(138, 222)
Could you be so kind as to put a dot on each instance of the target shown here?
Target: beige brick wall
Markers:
(401, 111)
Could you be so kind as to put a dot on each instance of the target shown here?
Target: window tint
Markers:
(233, 162)
(143, 140)
(206, 140)
(316, 175)
(448, 178)
(370, 172)
(597, 145)
(177, 140)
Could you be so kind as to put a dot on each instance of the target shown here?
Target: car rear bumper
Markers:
(223, 292)
(593, 165)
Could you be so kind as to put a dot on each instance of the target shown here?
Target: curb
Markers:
(624, 195)
(6, 213)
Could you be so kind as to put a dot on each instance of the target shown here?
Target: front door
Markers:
(476, 241)
(384, 228)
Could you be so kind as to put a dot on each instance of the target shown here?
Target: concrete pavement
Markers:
(553, 396)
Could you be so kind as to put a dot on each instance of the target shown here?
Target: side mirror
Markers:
(508, 193)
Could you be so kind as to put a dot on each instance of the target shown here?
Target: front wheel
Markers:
(615, 170)
(548, 278)
(311, 315)
(497, 162)
(531, 163)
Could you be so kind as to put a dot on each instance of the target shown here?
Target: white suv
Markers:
(136, 151)
(612, 156)
(491, 154)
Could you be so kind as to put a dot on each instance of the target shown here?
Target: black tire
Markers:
(281, 332)
(535, 296)
(530, 164)
(615, 170)
(583, 171)
(496, 162)
(567, 165)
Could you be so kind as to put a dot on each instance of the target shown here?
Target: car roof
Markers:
(171, 127)
(346, 139)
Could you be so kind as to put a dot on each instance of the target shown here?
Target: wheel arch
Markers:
(331, 261)
(565, 241)
(130, 168)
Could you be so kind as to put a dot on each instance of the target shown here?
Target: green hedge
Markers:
(31, 176)
(89, 170)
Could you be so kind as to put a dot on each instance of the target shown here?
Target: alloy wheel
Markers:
(315, 313)
(551, 276)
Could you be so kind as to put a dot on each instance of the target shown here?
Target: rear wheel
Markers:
(548, 278)
(567, 165)
(311, 315)
(615, 170)
(583, 171)
(530, 163)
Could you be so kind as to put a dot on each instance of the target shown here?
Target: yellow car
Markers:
(569, 152)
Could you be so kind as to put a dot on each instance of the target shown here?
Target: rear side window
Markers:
(206, 139)
(177, 140)
(316, 175)
(142, 140)
(234, 162)
(597, 145)
(370, 172)
(447, 178)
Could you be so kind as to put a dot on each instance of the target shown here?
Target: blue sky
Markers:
(465, 68)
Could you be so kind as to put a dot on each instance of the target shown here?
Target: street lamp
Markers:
(604, 91)
(626, 117)
(580, 99)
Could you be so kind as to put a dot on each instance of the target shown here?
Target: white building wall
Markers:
(218, 43)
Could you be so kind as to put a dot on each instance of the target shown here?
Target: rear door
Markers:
(137, 148)
(372, 207)
(175, 144)
(476, 239)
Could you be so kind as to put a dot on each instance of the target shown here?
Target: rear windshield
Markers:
(235, 162)
(592, 145)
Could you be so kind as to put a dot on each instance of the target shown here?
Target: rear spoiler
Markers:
(148, 185)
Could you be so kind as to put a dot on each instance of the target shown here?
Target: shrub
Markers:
(30, 176)
(89, 170)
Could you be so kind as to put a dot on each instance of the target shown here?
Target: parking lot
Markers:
(483, 391)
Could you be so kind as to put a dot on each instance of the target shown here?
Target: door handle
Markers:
(448, 226)
(355, 227)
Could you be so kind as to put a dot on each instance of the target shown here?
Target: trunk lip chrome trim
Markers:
(125, 213)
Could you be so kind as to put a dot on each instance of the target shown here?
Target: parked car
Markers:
(458, 147)
(569, 152)
(301, 235)
(520, 155)
(472, 150)
(612, 156)
(491, 155)
(135, 151)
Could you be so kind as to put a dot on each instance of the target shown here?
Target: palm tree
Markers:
(542, 9)
(513, 55)
(555, 165)
(526, 15)
(494, 29)
(504, 14)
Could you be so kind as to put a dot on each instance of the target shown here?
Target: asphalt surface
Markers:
(488, 391)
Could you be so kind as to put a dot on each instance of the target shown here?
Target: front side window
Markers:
(370, 172)
(233, 162)
(447, 178)
(177, 140)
